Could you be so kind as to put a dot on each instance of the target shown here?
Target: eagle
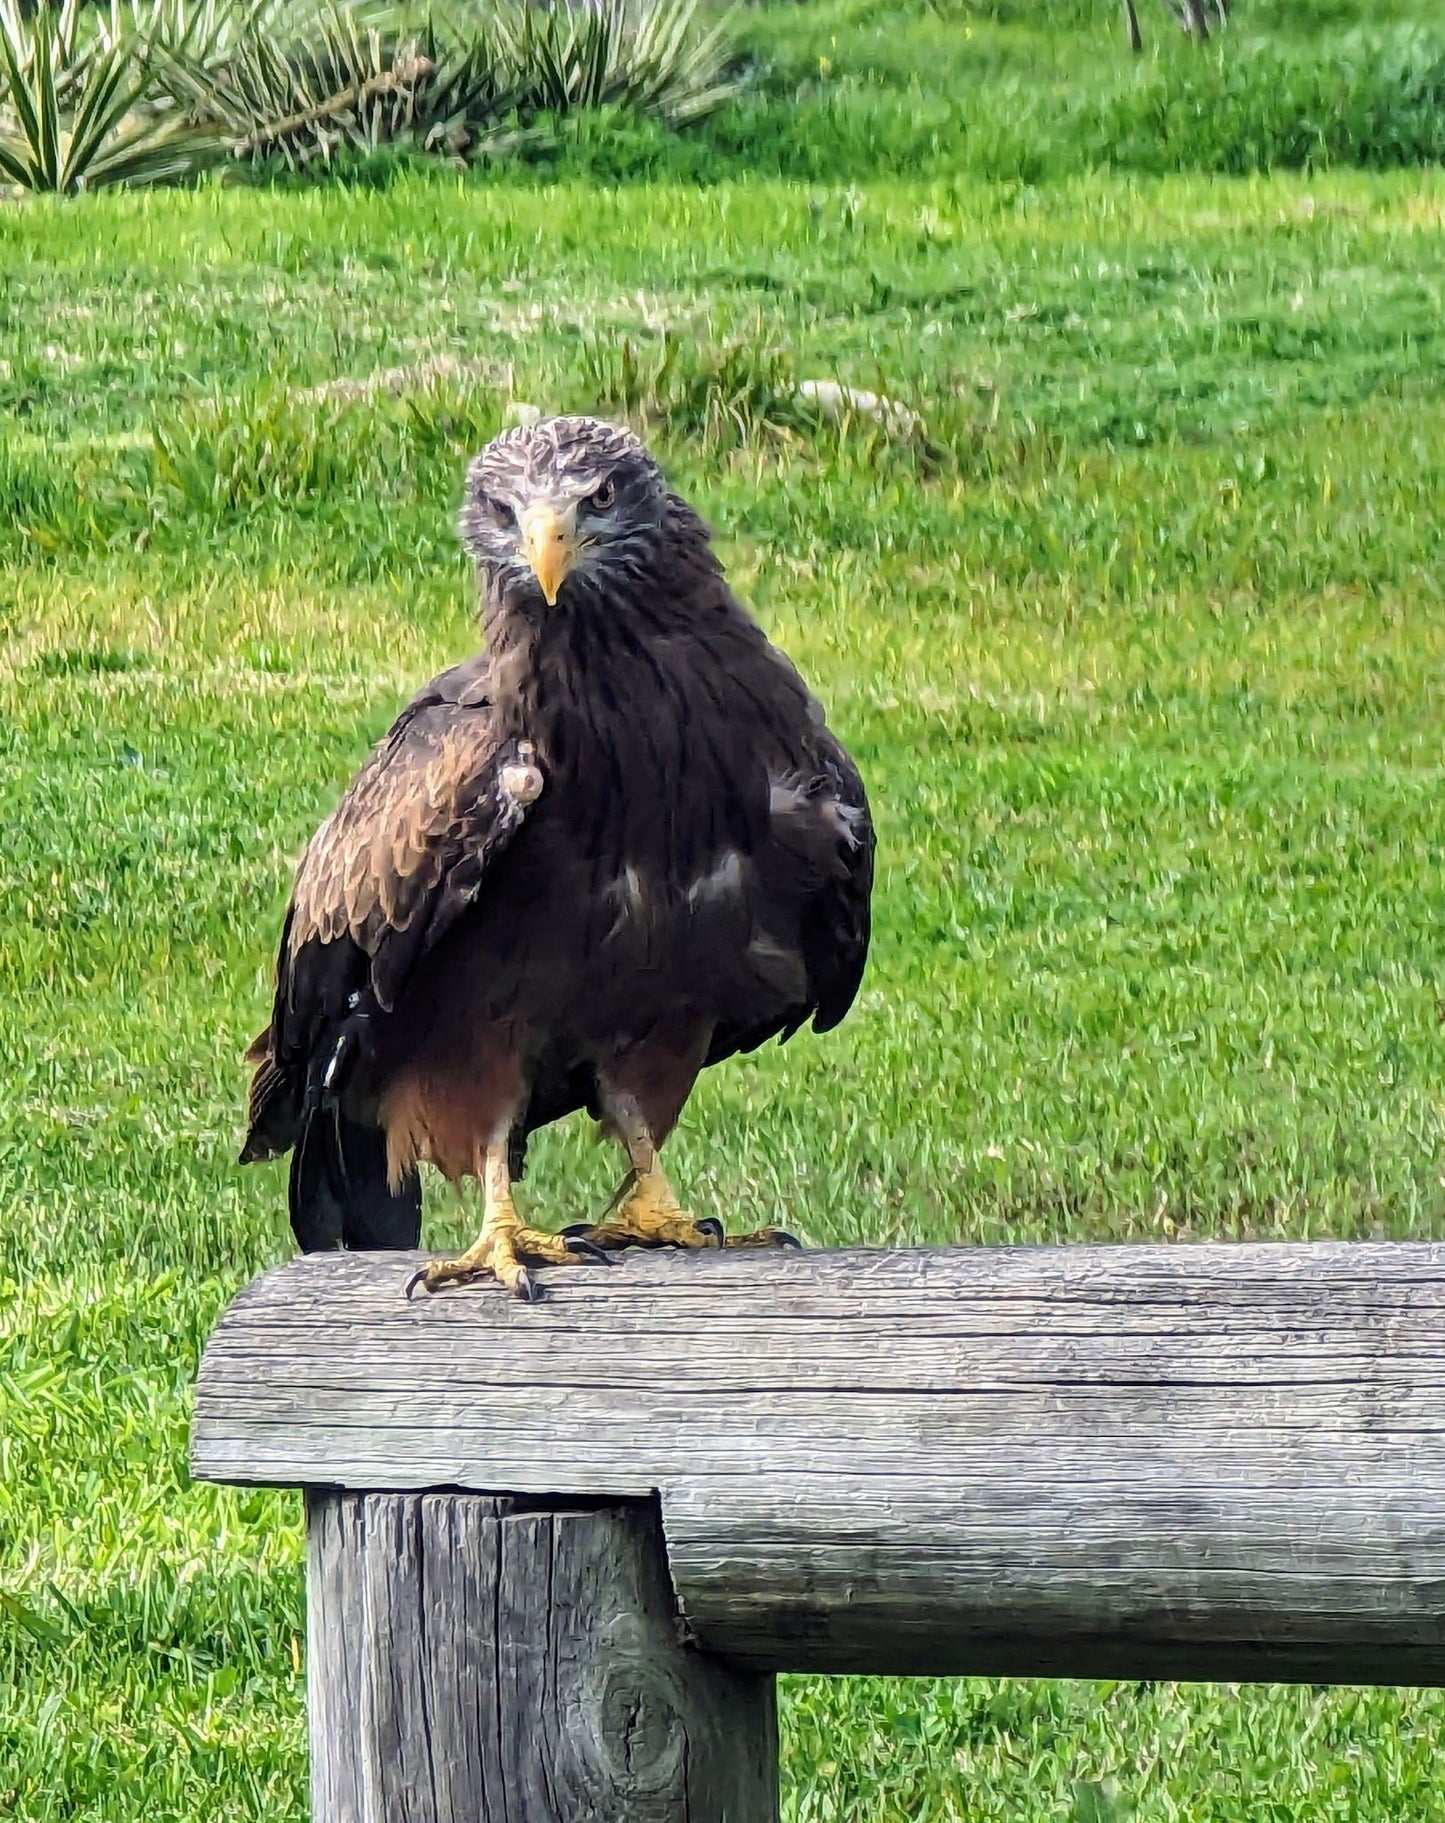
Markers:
(618, 845)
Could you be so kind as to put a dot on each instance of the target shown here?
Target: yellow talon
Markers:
(505, 1248)
(505, 1254)
(645, 1213)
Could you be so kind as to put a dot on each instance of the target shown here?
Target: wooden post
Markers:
(472, 1661)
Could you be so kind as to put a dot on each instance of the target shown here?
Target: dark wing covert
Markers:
(839, 921)
(836, 923)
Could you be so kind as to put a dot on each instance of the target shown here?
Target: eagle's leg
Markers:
(645, 1212)
(505, 1247)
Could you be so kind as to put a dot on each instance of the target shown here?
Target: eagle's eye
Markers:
(603, 498)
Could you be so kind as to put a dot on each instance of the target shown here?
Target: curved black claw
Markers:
(577, 1242)
(781, 1238)
(417, 1278)
(574, 1229)
(713, 1229)
(527, 1288)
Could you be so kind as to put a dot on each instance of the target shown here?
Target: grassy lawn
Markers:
(1139, 643)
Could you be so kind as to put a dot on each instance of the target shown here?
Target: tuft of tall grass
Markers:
(1372, 98)
(719, 391)
(844, 94)
(215, 458)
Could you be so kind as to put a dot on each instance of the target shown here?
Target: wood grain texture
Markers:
(1215, 1461)
(470, 1663)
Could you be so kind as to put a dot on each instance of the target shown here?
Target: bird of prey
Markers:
(618, 845)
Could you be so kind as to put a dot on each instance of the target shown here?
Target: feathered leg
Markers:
(642, 1095)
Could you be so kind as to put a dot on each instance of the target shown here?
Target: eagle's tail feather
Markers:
(339, 1193)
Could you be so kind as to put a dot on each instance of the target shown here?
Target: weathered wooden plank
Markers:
(341, 1778)
(470, 1663)
(1222, 1461)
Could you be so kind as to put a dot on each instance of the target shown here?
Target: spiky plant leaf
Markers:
(345, 81)
(475, 77)
(103, 105)
(46, 101)
(13, 166)
(167, 155)
(109, 144)
(17, 53)
(81, 105)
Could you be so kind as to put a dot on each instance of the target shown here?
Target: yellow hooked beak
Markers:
(549, 540)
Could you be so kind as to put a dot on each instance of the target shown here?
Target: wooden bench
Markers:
(558, 1551)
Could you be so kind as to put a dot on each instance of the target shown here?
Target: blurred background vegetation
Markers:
(142, 91)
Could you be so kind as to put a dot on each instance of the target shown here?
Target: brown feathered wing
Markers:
(384, 878)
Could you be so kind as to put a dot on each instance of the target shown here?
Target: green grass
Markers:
(1139, 643)
(1029, 91)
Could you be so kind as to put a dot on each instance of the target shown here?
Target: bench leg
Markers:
(474, 1661)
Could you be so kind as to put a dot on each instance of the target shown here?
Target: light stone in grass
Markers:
(834, 400)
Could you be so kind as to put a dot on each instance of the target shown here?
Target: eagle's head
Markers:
(559, 504)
